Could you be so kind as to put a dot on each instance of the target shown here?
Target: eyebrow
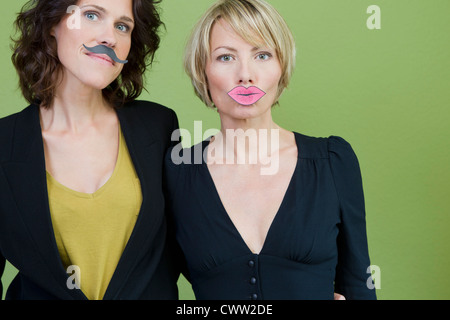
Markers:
(124, 18)
(232, 49)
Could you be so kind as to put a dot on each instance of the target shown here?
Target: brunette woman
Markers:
(81, 200)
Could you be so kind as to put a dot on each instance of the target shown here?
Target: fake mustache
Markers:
(101, 49)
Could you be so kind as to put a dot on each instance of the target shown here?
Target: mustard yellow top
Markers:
(92, 230)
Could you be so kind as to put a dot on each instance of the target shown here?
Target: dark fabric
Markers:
(317, 242)
(148, 268)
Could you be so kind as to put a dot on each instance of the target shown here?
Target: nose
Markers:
(107, 37)
(245, 74)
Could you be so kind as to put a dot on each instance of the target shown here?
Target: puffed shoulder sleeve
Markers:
(352, 279)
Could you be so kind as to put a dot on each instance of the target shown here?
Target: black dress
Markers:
(315, 246)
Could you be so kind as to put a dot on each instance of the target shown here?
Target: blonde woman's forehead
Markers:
(224, 35)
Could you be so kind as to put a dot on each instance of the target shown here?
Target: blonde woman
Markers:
(294, 232)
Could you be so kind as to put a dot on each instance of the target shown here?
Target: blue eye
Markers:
(263, 56)
(91, 16)
(123, 27)
(225, 58)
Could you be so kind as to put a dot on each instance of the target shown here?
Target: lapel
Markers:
(26, 175)
(145, 152)
(27, 180)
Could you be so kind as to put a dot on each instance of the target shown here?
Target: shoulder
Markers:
(311, 147)
(11, 119)
(343, 162)
(7, 125)
(16, 123)
(321, 147)
(178, 157)
(159, 120)
(182, 163)
(339, 148)
(148, 109)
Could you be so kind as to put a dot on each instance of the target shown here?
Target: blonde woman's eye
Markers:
(225, 58)
(264, 56)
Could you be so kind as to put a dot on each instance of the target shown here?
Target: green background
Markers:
(385, 91)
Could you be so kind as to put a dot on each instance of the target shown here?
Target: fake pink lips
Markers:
(246, 96)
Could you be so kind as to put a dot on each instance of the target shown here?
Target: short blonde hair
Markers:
(253, 20)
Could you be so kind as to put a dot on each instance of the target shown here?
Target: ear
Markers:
(54, 30)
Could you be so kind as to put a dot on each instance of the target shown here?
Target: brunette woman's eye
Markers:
(91, 16)
(123, 27)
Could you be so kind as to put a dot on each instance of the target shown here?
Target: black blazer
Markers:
(146, 269)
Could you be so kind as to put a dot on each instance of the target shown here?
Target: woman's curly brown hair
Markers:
(36, 60)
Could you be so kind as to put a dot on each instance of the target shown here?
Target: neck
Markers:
(74, 107)
(247, 140)
(263, 122)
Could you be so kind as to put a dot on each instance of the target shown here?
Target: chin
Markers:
(97, 78)
(98, 83)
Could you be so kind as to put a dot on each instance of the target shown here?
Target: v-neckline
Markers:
(116, 279)
(97, 193)
(219, 202)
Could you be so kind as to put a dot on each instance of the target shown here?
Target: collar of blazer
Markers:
(26, 177)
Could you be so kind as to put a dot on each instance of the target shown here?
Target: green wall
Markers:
(386, 91)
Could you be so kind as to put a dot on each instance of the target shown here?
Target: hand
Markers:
(338, 296)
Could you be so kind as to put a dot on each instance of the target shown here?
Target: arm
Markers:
(353, 256)
(178, 253)
(175, 130)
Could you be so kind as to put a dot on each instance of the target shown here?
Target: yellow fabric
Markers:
(92, 230)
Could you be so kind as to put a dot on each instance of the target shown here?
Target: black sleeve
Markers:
(175, 132)
(178, 253)
(353, 256)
